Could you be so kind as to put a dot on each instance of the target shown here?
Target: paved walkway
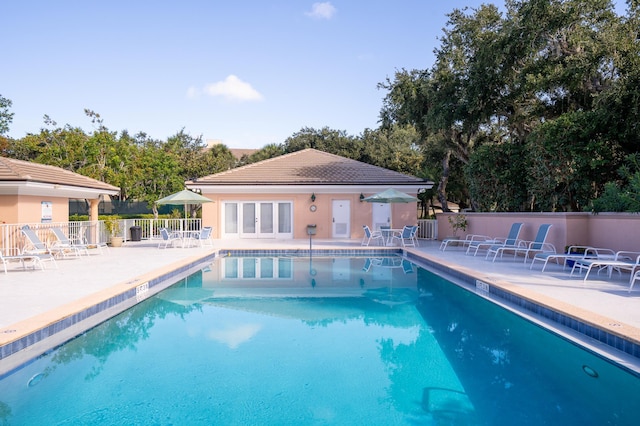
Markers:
(33, 298)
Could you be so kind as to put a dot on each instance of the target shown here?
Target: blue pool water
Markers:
(318, 341)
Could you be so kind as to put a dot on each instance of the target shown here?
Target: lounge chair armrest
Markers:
(624, 255)
(602, 253)
(548, 248)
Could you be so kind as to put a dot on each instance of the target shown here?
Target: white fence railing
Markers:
(12, 241)
(428, 229)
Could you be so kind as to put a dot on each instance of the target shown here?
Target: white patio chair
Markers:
(169, 238)
(371, 236)
(405, 237)
(203, 237)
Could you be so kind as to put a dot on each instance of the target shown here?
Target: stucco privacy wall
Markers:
(618, 231)
(402, 214)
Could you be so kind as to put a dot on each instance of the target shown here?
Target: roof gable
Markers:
(308, 166)
(12, 170)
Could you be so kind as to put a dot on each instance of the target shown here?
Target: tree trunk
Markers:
(442, 185)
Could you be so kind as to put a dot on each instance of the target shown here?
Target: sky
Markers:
(247, 73)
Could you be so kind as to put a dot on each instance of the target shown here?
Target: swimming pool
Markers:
(283, 340)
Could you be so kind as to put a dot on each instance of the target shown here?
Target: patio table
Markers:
(388, 233)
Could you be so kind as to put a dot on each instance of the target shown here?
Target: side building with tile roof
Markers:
(279, 197)
(32, 192)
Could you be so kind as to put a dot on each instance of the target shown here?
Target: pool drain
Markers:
(590, 371)
(35, 379)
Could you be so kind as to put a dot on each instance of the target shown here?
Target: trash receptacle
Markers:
(311, 229)
(136, 233)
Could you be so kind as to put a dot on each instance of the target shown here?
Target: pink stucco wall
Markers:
(28, 208)
(402, 214)
(618, 231)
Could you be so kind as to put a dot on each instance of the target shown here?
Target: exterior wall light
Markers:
(313, 197)
(361, 197)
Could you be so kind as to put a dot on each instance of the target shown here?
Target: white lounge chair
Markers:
(462, 242)
(572, 254)
(22, 258)
(622, 261)
(635, 277)
(65, 245)
(81, 238)
(526, 247)
(37, 247)
(512, 239)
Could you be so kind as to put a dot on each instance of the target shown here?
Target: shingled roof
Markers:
(14, 172)
(309, 166)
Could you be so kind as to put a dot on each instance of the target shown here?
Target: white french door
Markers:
(257, 219)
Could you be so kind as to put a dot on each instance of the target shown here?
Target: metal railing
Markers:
(150, 228)
(428, 229)
(12, 241)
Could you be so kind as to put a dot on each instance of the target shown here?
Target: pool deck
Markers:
(31, 299)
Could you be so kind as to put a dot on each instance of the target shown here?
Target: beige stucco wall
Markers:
(28, 208)
(618, 231)
(403, 214)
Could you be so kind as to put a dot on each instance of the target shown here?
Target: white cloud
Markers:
(322, 11)
(233, 89)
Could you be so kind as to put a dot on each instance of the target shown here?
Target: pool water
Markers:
(318, 341)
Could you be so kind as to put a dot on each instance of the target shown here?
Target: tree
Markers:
(451, 99)
(6, 117)
(494, 173)
(268, 151)
(622, 196)
(394, 148)
(497, 80)
(157, 172)
(327, 140)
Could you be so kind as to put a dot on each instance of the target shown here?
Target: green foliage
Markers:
(327, 140)
(569, 161)
(6, 117)
(557, 77)
(458, 222)
(495, 175)
(623, 196)
(112, 225)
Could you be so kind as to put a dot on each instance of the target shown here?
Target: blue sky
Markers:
(247, 72)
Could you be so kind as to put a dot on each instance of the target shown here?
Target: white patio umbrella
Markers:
(390, 196)
(184, 197)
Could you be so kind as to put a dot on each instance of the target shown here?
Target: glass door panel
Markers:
(249, 220)
(266, 220)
